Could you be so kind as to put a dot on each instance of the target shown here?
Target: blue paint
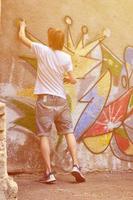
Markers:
(90, 113)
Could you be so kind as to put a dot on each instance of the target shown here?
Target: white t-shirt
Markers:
(51, 68)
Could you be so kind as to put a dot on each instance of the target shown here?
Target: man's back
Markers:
(52, 64)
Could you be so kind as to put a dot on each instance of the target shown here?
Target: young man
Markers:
(51, 105)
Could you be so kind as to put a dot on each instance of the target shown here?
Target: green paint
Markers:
(28, 120)
(30, 60)
(121, 132)
(131, 102)
(111, 63)
(69, 101)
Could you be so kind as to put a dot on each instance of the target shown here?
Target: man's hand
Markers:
(22, 34)
(66, 80)
(71, 80)
(71, 77)
(22, 25)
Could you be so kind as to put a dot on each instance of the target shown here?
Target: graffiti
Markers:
(106, 105)
(102, 100)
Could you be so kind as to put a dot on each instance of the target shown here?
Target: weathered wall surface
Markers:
(98, 14)
(101, 102)
(8, 188)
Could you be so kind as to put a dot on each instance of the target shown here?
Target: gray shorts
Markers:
(52, 109)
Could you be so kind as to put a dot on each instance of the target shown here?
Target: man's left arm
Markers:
(22, 34)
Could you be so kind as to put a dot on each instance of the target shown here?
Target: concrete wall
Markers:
(98, 14)
(8, 188)
(104, 66)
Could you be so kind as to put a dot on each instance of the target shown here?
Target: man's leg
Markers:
(64, 125)
(45, 150)
(71, 142)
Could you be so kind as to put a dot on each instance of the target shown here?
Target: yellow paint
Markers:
(70, 44)
(128, 65)
(129, 151)
(27, 92)
(103, 85)
(80, 45)
(82, 65)
(98, 144)
(87, 48)
(72, 92)
(110, 62)
(116, 66)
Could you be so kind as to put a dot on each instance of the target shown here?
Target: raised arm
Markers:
(22, 34)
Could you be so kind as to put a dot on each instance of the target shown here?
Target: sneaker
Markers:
(77, 174)
(50, 178)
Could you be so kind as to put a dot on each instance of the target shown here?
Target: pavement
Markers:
(98, 186)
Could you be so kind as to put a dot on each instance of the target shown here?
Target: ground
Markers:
(98, 186)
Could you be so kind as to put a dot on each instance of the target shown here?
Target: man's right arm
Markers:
(70, 78)
(68, 67)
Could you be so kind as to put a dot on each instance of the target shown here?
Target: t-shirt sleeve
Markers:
(68, 66)
(38, 48)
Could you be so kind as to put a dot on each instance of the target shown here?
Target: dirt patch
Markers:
(98, 186)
